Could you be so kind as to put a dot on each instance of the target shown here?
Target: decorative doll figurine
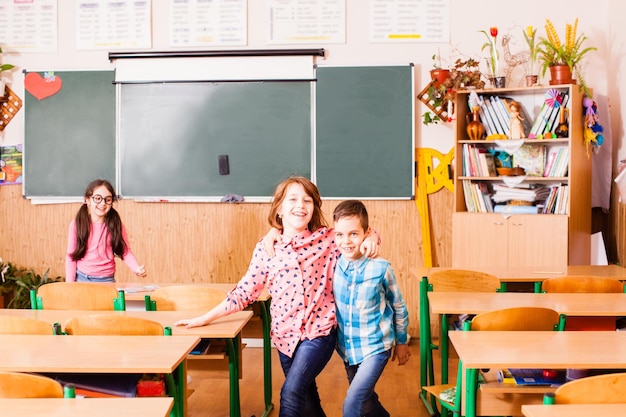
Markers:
(516, 127)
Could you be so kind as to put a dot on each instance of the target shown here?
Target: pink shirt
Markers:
(299, 279)
(98, 260)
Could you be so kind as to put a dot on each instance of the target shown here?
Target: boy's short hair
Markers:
(349, 208)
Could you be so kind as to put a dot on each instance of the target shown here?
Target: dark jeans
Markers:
(299, 396)
(361, 399)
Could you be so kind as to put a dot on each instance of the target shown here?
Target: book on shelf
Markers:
(483, 120)
(557, 162)
(540, 120)
(491, 111)
(501, 113)
(531, 377)
(515, 209)
(487, 113)
(531, 157)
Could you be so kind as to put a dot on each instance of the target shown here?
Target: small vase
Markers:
(474, 127)
(560, 74)
(531, 80)
(498, 82)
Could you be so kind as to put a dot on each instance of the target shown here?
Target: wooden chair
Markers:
(24, 325)
(112, 324)
(585, 284)
(599, 389)
(77, 296)
(510, 319)
(448, 280)
(184, 297)
(22, 385)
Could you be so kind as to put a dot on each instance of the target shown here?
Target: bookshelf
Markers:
(541, 219)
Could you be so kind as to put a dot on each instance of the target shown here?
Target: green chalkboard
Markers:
(172, 134)
(69, 137)
(364, 132)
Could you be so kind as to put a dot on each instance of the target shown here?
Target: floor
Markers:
(397, 388)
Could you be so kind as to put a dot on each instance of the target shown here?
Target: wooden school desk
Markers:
(228, 328)
(449, 303)
(101, 354)
(574, 410)
(537, 275)
(543, 350)
(135, 292)
(92, 407)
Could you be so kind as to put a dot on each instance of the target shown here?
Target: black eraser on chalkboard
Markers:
(222, 161)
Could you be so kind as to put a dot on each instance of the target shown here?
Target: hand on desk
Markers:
(402, 353)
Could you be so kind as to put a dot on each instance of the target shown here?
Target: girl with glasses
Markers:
(96, 236)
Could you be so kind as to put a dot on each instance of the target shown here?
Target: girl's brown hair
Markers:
(317, 220)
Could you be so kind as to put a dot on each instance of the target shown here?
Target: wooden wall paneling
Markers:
(211, 242)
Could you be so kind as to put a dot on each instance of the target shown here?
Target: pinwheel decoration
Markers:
(554, 100)
(593, 133)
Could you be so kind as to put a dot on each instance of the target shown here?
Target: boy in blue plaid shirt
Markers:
(371, 314)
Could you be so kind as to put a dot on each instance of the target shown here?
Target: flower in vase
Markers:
(529, 35)
(492, 44)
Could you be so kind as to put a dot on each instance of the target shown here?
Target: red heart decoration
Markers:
(42, 87)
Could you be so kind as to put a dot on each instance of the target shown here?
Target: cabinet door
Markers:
(479, 240)
(537, 240)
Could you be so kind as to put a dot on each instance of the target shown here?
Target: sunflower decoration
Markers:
(593, 131)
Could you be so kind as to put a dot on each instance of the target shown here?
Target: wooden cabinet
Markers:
(482, 238)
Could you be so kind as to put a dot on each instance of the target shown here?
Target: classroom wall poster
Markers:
(10, 164)
(306, 21)
(104, 24)
(397, 21)
(208, 23)
(29, 26)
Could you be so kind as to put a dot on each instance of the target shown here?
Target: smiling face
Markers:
(349, 235)
(295, 210)
(98, 211)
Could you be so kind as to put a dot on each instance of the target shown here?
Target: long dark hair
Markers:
(112, 220)
(317, 220)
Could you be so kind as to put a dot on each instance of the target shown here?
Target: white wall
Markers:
(601, 20)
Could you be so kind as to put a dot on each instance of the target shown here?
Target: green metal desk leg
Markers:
(471, 391)
(174, 385)
(427, 373)
(267, 356)
(444, 347)
(232, 346)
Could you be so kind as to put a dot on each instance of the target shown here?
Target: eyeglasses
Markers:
(97, 198)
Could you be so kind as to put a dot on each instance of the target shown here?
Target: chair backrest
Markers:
(21, 385)
(519, 319)
(462, 280)
(24, 325)
(76, 296)
(186, 297)
(581, 283)
(608, 388)
(112, 324)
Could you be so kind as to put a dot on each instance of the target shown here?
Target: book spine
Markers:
(492, 112)
(539, 120)
(549, 163)
(502, 114)
(488, 118)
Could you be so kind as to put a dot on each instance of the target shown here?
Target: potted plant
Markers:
(497, 80)
(16, 283)
(563, 57)
(438, 74)
(464, 74)
(4, 67)
(531, 74)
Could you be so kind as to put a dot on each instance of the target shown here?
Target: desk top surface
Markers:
(597, 304)
(574, 410)
(80, 407)
(225, 327)
(136, 291)
(534, 274)
(98, 354)
(522, 349)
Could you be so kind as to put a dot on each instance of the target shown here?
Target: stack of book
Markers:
(557, 200)
(495, 115)
(523, 192)
(557, 162)
(548, 118)
(478, 162)
(477, 197)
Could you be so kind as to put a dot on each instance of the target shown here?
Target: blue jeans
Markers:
(361, 400)
(299, 396)
(80, 277)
